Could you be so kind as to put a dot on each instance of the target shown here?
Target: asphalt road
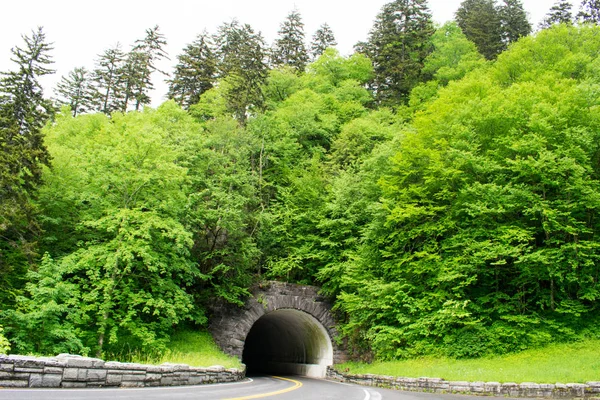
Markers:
(281, 388)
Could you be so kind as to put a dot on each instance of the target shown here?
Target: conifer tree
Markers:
(514, 21)
(76, 91)
(397, 45)
(195, 72)
(481, 22)
(241, 67)
(560, 13)
(321, 40)
(141, 63)
(590, 11)
(23, 113)
(289, 48)
(108, 80)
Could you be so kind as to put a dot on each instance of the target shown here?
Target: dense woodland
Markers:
(441, 184)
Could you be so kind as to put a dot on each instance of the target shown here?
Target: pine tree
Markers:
(560, 13)
(289, 48)
(514, 21)
(195, 72)
(108, 80)
(241, 67)
(141, 63)
(481, 23)
(397, 45)
(76, 91)
(23, 113)
(321, 40)
(589, 11)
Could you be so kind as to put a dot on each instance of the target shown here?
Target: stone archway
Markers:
(282, 328)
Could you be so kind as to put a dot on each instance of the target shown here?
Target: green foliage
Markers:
(573, 362)
(485, 242)
(397, 45)
(560, 13)
(195, 72)
(321, 41)
(289, 49)
(23, 112)
(481, 23)
(4, 343)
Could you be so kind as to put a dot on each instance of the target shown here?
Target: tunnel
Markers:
(288, 341)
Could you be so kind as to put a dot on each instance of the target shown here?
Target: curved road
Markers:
(269, 387)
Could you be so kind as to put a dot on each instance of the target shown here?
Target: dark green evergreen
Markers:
(241, 64)
(23, 112)
(321, 40)
(141, 63)
(289, 48)
(109, 81)
(589, 11)
(481, 22)
(397, 45)
(560, 13)
(195, 72)
(514, 20)
(76, 91)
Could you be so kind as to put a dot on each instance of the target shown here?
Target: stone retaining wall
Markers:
(436, 385)
(71, 371)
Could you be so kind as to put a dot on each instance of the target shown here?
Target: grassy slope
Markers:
(195, 348)
(564, 363)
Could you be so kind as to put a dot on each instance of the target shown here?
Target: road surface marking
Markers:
(367, 394)
(297, 385)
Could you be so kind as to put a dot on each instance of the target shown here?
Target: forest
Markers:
(440, 184)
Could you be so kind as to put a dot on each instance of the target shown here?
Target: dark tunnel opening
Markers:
(288, 341)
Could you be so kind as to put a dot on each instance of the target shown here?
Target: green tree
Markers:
(195, 72)
(76, 91)
(23, 113)
(560, 13)
(140, 63)
(397, 45)
(115, 232)
(481, 22)
(289, 48)
(589, 11)
(484, 239)
(514, 21)
(242, 68)
(321, 41)
(108, 80)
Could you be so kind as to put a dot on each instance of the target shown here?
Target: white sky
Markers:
(82, 29)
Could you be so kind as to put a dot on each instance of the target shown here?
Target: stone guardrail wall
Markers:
(71, 371)
(590, 390)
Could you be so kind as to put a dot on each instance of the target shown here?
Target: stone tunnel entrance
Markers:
(288, 341)
(282, 328)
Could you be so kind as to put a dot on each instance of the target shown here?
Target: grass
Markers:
(195, 348)
(559, 363)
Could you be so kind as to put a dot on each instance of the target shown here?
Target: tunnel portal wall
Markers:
(230, 324)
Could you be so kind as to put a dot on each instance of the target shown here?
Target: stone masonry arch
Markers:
(290, 328)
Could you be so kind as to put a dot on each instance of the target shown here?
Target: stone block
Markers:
(74, 385)
(14, 383)
(96, 374)
(51, 380)
(35, 380)
(53, 370)
(9, 367)
(133, 378)
(70, 374)
(84, 362)
(29, 370)
(114, 379)
(166, 381)
(152, 377)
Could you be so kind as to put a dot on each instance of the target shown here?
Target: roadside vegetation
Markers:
(577, 362)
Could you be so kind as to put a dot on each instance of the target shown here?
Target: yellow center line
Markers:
(297, 384)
